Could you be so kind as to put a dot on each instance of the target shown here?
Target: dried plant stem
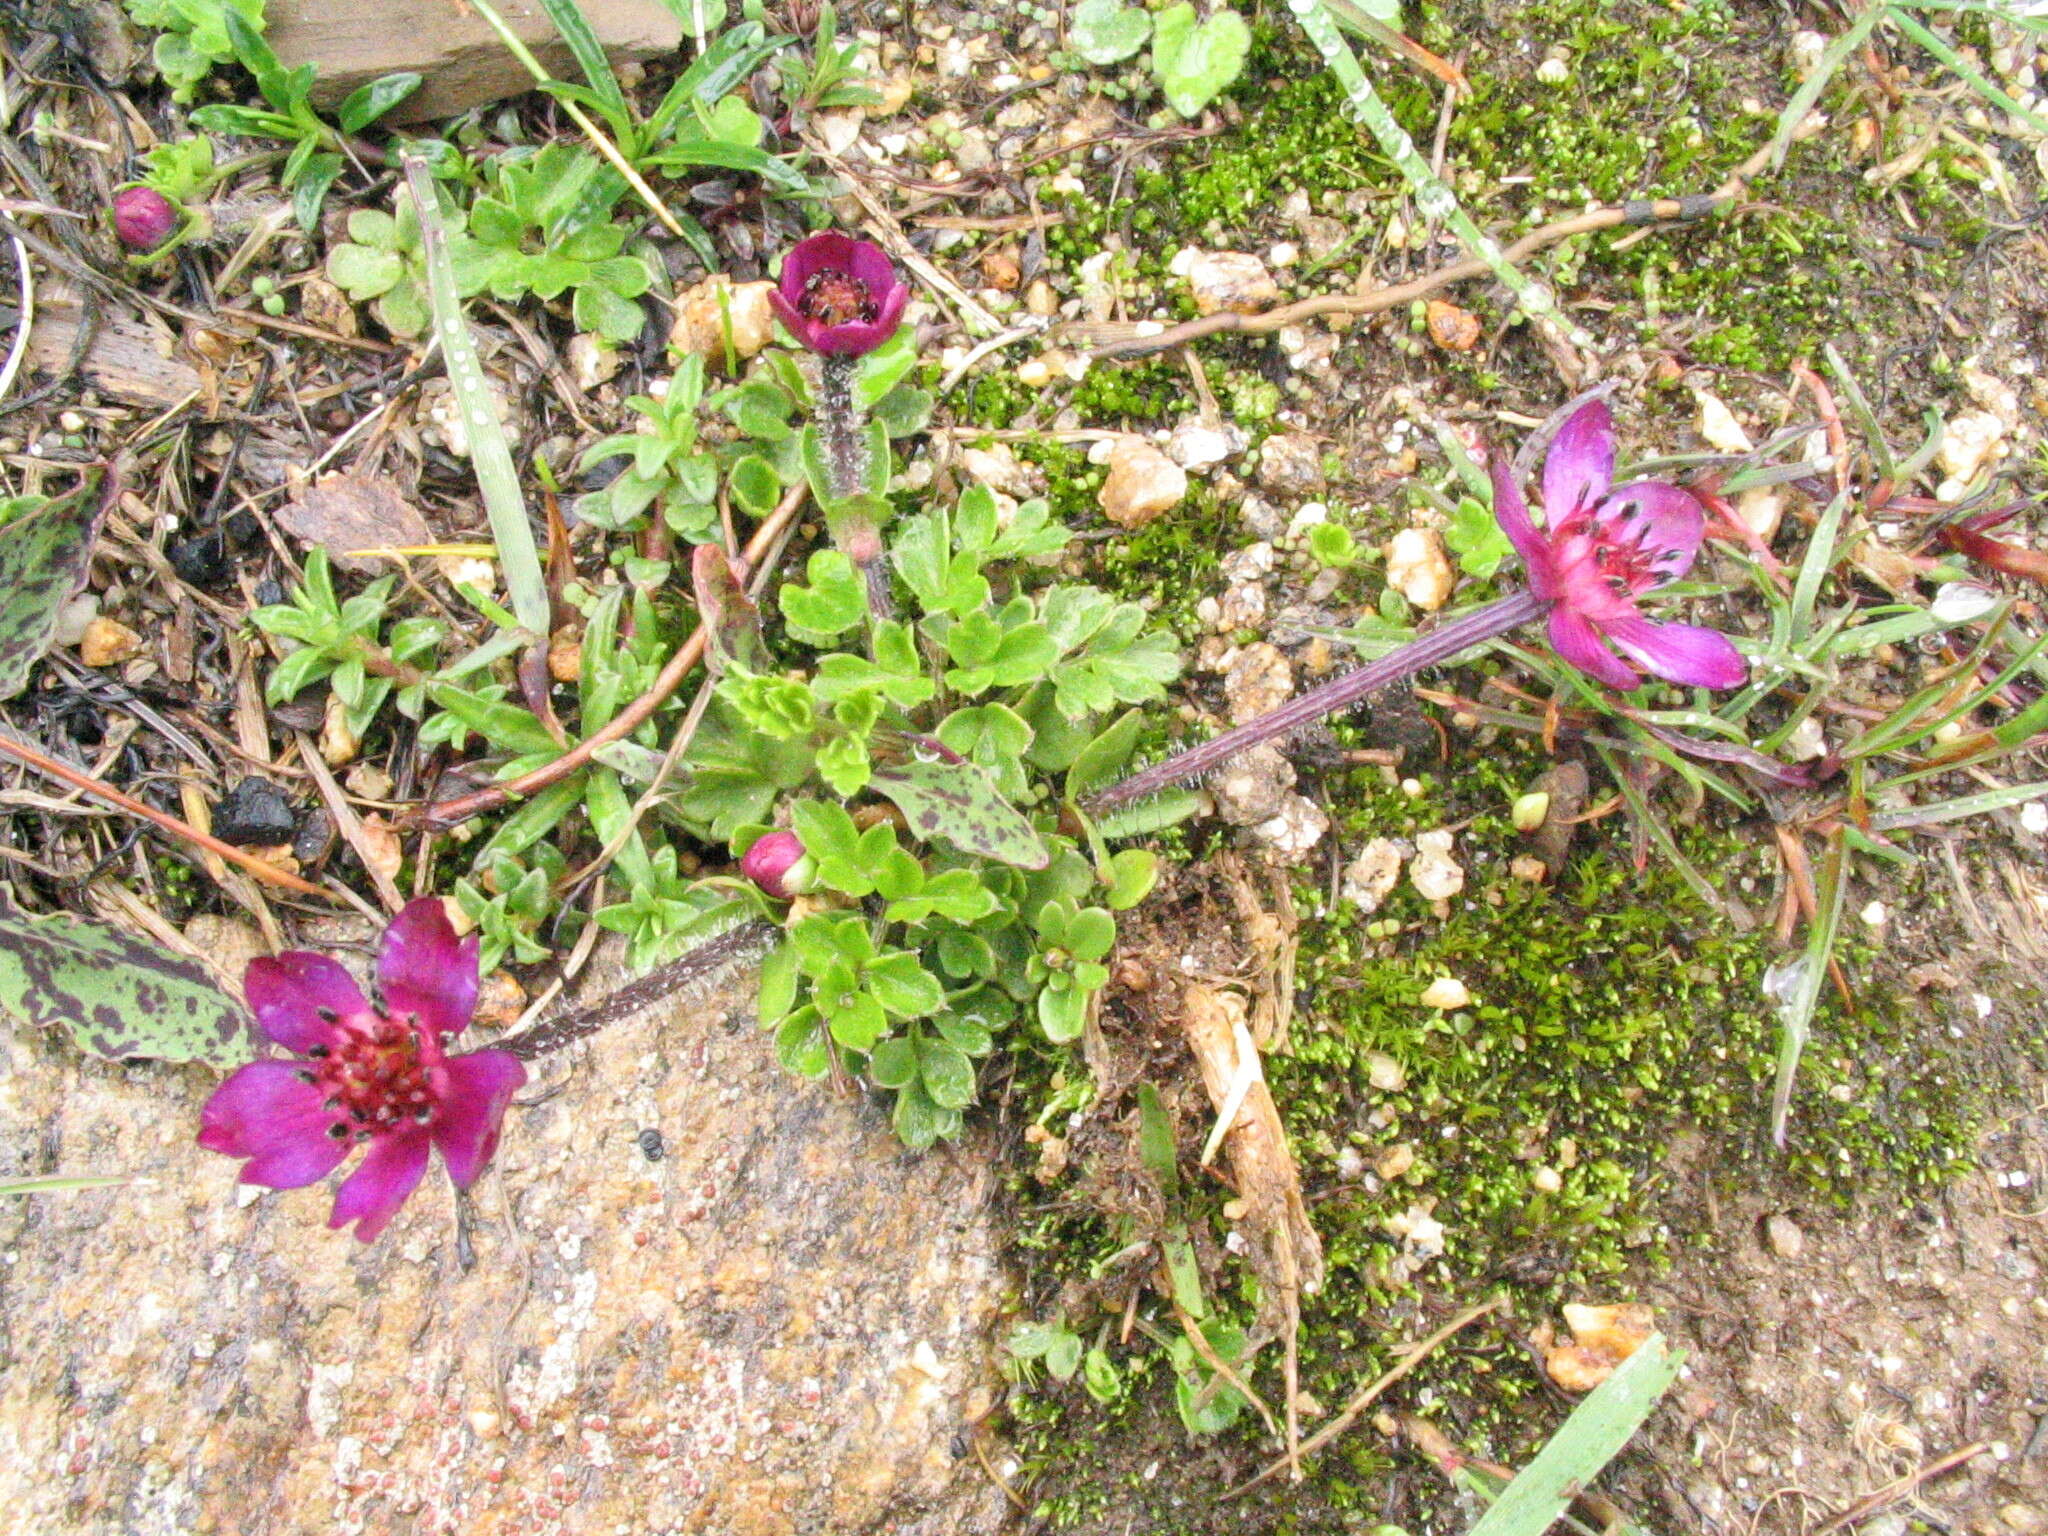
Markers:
(685, 970)
(1647, 211)
(269, 874)
(1371, 1394)
(1441, 644)
(444, 814)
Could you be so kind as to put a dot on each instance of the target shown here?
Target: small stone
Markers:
(1259, 681)
(1602, 1337)
(1418, 568)
(1968, 441)
(1001, 270)
(108, 642)
(704, 313)
(1545, 1180)
(999, 468)
(1452, 328)
(1717, 424)
(593, 360)
(1291, 463)
(1760, 509)
(1419, 1230)
(1446, 992)
(1371, 877)
(1528, 868)
(228, 943)
(1384, 1072)
(1297, 827)
(254, 814)
(1435, 875)
(499, 1000)
(565, 657)
(1253, 786)
(1783, 1236)
(1143, 483)
(1395, 1161)
(1040, 300)
(1196, 446)
(1230, 280)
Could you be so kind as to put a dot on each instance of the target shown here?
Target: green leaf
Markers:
(1107, 31)
(118, 996)
(1591, 1437)
(1196, 60)
(1104, 757)
(367, 103)
(1133, 872)
(800, 1045)
(364, 272)
(1062, 1013)
(957, 894)
(855, 1019)
(43, 559)
(947, 1073)
(919, 1122)
(1476, 539)
(589, 54)
(833, 603)
(902, 986)
(506, 727)
(954, 803)
(893, 1063)
(755, 485)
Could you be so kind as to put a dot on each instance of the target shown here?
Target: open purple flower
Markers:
(1600, 548)
(371, 1074)
(839, 296)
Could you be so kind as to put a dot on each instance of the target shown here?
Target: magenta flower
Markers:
(772, 864)
(143, 218)
(838, 295)
(372, 1075)
(1600, 548)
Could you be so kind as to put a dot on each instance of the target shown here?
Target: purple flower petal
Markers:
(288, 993)
(371, 1195)
(800, 325)
(1666, 523)
(480, 1086)
(306, 1159)
(1578, 642)
(1511, 511)
(424, 969)
(829, 250)
(1580, 465)
(259, 1107)
(1684, 653)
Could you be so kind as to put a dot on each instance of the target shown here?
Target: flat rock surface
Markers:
(461, 58)
(776, 1324)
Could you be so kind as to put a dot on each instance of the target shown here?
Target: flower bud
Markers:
(776, 863)
(143, 217)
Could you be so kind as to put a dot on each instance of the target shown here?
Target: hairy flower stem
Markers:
(1439, 645)
(843, 432)
(685, 970)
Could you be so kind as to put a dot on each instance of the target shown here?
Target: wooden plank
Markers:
(464, 63)
(126, 360)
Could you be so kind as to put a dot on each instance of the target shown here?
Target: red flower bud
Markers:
(143, 217)
(772, 865)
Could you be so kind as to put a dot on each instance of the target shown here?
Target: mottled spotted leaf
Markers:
(43, 557)
(118, 995)
(955, 803)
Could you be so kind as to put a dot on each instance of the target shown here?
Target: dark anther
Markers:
(651, 1146)
(337, 1130)
(304, 1074)
(320, 1052)
(424, 1114)
(327, 1015)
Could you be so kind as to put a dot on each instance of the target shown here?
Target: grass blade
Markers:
(1808, 93)
(518, 557)
(1594, 1434)
(56, 1183)
(1796, 1013)
(589, 54)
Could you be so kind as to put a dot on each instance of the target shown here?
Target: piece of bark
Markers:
(125, 359)
(350, 512)
(1267, 1180)
(461, 58)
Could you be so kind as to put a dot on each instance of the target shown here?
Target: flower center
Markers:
(376, 1078)
(837, 298)
(1615, 554)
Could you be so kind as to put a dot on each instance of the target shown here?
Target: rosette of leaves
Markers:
(381, 263)
(955, 900)
(666, 468)
(316, 156)
(545, 229)
(192, 36)
(342, 642)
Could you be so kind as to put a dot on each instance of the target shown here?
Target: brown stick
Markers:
(1668, 209)
(445, 814)
(1371, 1394)
(1871, 1503)
(269, 874)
